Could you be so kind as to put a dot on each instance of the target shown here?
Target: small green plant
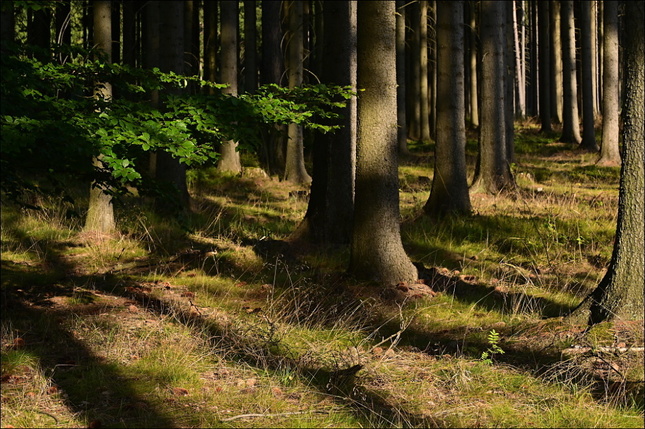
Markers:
(493, 349)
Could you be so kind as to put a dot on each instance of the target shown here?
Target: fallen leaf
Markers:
(133, 308)
(52, 390)
(179, 391)
(18, 342)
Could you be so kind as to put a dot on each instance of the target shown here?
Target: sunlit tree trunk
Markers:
(377, 251)
(424, 94)
(100, 213)
(230, 157)
(570, 118)
(556, 61)
(402, 135)
(544, 54)
(609, 151)
(588, 70)
(509, 72)
(619, 294)
(493, 172)
(295, 163)
(472, 63)
(449, 192)
(520, 69)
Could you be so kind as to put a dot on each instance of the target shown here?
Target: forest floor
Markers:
(222, 321)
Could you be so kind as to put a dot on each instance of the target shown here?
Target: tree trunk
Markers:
(250, 47)
(520, 63)
(544, 53)
(493, 173)
(588, 70)
(570, 121)
(272, 156)
(230, 157)
(556, 62)
(449, 192)
(295, 163)
(210, 42)
(424, 95)
(402, 135)
(331, 205)
(414, 87)
(100, 213)
(474, 76)
(509, 72)
(609, 151)
(620, 293)
(377, 251)
(169, 171)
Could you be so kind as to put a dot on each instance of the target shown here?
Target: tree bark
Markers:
(377, 251)
(424, 94)
(609, 150)
(449, 193)
(250, 47)
(493, 172)
(544, 53)
(295, 170)
(588, 70)
(402, 135)
(230, 158)
(474, 76)
(570, 121)
(414, 87)
(100, 213)
(331, 205)
(556, 61)
(619, 294)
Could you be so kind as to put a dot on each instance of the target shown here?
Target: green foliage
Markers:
(493, 349)
(54, 120)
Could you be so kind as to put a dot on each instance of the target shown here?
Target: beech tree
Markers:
(100, 213)
(377, 251)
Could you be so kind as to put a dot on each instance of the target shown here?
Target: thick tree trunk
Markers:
(509, 72)
(620, 293)
(331, 205)
(609, 150)
(449, 192)
(377, 251)
(100, 213)
(295, 170)
(570, 118)
(588, 70)
(493, 172)
(230, 157)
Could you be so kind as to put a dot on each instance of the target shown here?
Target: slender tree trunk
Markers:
(129, 34)
(474, 76)
(424, 94)
(295, 163)
(509, 72)
(210, 42)
(100, 213)
(402, 135)
(250, 47)
(556, 62)
(520, 63)
(432, 68)
(377, 251)
(570, 121)
(493, 172)
(532, 79)
(449, 192)
(588, 70)
(544, 53)
(619, 294)
(414, 87)
(609, 150)
(230, 157)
